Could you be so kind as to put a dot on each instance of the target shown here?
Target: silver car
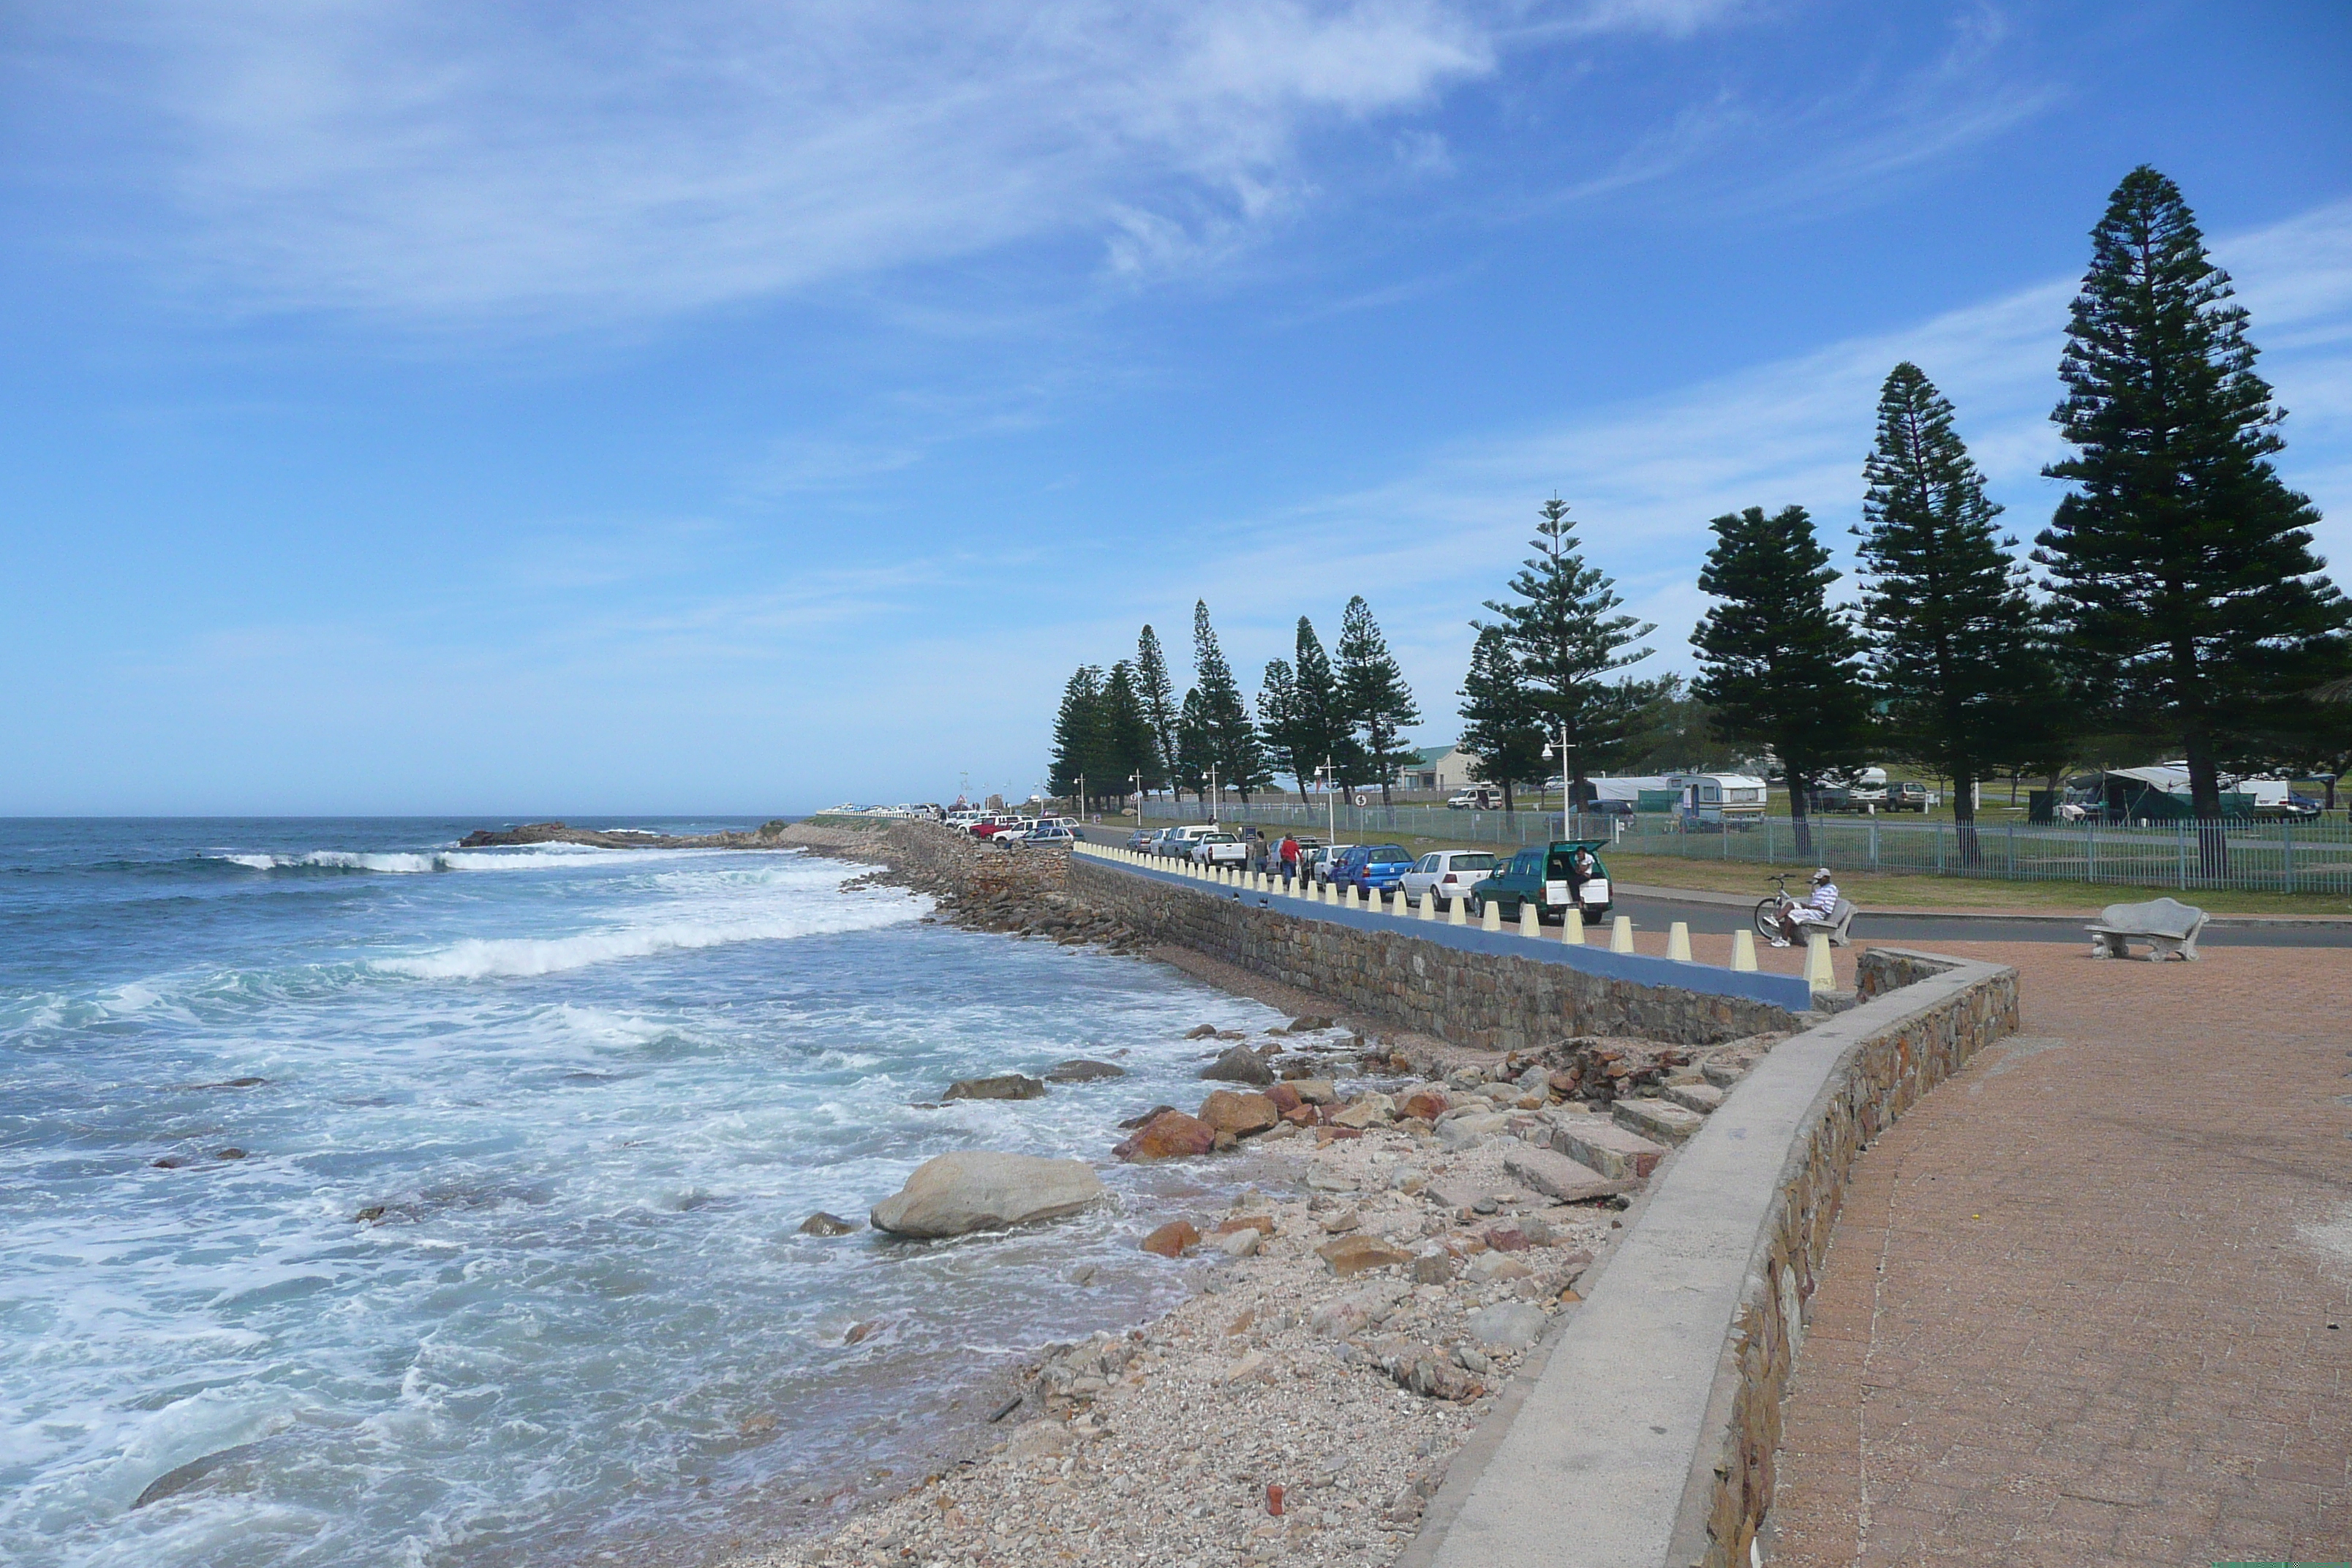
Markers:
(1447, 872)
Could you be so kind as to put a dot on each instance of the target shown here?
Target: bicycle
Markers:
(1770, 912)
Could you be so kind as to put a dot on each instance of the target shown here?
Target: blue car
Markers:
(1371, 868)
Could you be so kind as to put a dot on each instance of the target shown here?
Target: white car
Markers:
(1219, 848)
(1176, 843)
(1322, 857)
(1448, 872)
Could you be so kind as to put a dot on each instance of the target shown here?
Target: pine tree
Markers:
(1233, 735)
(1278, 726)
(1195, 749)
(2181, 563)
(1129, 756)
(1158, 694)
(1324, 736)
(1563, 634)
(1501, 725)
(1078, 734)
(1378, 702)
(1957, 654)
(1779, 667)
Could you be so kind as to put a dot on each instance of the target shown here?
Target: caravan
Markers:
(1714, 800)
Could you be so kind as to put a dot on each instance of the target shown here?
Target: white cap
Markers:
(1822, 875)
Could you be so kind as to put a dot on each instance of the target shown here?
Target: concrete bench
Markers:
(1839, 925)
(2167, 925)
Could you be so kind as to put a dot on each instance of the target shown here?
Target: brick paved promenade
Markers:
(2081, 1303)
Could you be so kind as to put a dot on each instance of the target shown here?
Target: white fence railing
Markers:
(2283, 857)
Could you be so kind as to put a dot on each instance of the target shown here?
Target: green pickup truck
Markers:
(1565, 874)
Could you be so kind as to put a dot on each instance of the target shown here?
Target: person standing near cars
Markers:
(1289, 854)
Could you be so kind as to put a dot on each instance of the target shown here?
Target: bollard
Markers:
(1621, 934)
(1530, 922)
(1743, 950)
(1355, 902)
(1490, 917)
(1427, 908)
(1453, 910)
(1572, 927)
(1818, 974)
(1678, 942)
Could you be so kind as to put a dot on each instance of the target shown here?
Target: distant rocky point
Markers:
(764, 837)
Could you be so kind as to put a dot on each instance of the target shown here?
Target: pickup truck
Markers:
(1566, 874)
(1219, 848)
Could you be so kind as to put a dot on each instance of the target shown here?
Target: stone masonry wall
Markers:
(1961, 1007)
(1469, 999)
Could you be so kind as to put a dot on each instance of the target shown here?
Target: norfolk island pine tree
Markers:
(1158, 694)
(2180, 563)
(1077, 733)
(1372, 689)
(1778, 666)
(1957, 651)
(1130, 752)
(1233, 735)
(1278, 726)
(1499, 722)
(1561, 631)
(1324, 734)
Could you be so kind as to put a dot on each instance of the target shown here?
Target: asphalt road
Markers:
(1653, 914)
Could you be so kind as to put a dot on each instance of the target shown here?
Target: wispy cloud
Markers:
(1645, 478)
(657, 158)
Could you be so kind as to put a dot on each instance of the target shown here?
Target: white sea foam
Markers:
(481, 958)
(533, 858)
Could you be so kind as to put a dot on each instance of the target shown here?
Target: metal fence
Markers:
(2279, 856)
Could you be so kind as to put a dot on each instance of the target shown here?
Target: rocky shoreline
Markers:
(1409, 1248)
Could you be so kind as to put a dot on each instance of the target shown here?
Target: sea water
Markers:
(584, 1100)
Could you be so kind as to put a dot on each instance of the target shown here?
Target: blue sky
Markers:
(726, 406)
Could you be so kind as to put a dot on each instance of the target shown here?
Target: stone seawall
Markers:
(1481, 1000)
(1648, 1440)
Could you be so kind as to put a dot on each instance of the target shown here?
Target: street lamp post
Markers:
(1323, 775)
(1564, 799)
(1212, 794)
(1136, 778)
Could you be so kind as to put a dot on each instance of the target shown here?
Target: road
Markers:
(1652, 912)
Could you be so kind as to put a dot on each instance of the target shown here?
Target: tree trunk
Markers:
(2205, 806)
(1507, 807)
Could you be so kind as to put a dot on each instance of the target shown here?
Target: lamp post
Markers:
(1136, 778)
(1323, 776)
(1212, 794)
(1564, 800)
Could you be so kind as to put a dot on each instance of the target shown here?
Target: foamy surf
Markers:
(481, 958)
(536, 858)
(520, 1255)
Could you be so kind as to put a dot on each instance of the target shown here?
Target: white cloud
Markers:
(655, 158)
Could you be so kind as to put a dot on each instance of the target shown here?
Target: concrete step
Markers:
(1608, 1148)
(1724, 1073)
(1658, 1119)
(1557, 1177)
(1702, 1097)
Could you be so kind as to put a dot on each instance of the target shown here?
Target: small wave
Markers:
(482, 958)
(397, 863)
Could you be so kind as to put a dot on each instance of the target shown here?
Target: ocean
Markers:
(584, 1099)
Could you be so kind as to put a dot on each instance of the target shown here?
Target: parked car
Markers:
(1220, 848)
(1448, 873)
(1549, 877)
(1176, 843)
(1140, 840)
(1477, 797)
(1371, 867)
(1321, 859)
(1045, 835)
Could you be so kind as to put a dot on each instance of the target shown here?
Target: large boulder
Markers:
(1239, 1065)
(976, 1189)
(1171, 1135)
(1003, 1086)
(1240, 1113)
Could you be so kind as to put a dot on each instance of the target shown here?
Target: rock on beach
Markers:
(1239, 1065)
(978, 1189)
(1003, 1086)
(1171, 1135)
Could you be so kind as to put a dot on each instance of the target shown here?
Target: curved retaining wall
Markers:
(1487, 990)
(1648, 1439)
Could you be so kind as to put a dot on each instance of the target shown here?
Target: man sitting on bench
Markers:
(1821, 910)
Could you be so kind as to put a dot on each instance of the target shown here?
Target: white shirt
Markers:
(1824, 899)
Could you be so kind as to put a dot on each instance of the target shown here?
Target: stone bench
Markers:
(2167, 925)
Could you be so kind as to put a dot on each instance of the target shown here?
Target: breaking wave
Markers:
(482, 958)
(534, 859)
